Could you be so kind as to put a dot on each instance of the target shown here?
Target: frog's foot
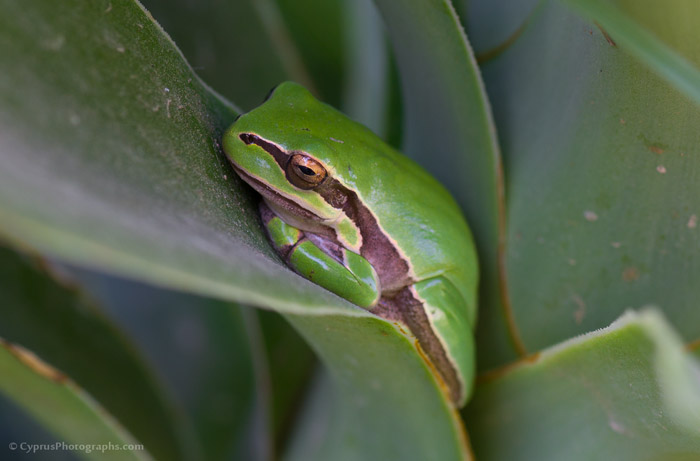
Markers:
(322, 261)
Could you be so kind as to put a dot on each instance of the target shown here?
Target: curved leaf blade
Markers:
(220, 39)
(206, 356)
(629, 389)
(316, 29)
(61, 324)
(382, 401)
(601, 181)
(60, 406)
(291, 364)
(136, 184)
(493, 24)
(640, 42)
(367, 91)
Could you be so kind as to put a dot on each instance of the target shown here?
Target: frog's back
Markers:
(424, 220)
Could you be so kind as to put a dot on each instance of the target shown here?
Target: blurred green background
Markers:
(567, 131)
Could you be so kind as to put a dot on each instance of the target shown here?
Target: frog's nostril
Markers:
(280, 156)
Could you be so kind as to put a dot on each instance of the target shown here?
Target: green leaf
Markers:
(492, 25)
(449, 130)
(601, 166)
(207, 355)
(61, 407)
(136, 184)
(317, 29)
(679, 20)
(291, 363)
(67, 330)
(366, 95)
(629, 390)
(380, 401)
(241, 48)
(109, 157)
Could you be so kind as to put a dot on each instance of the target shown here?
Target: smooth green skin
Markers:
(418, 215)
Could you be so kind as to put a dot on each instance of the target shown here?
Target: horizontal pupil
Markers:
(306, 170)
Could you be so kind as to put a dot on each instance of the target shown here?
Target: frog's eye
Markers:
(305, 172)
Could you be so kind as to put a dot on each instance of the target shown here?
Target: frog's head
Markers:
(277, 149)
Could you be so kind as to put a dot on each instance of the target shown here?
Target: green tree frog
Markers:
(350, 213)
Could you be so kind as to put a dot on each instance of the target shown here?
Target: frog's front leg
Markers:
(322, 261)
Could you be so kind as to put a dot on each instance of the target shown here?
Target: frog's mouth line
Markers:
(270, 194)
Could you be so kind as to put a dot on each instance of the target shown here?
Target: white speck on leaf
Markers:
(351, 360)
(615, 244)
(360, 401)
(692, 221)
(617, 427)
(120, 48)
(590, 216)
(55, 43)
(337, 140)
(580, 312)
(661, 169)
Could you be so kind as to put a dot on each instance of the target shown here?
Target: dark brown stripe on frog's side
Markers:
(398, 301)
(391, 266)
(407, 308)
